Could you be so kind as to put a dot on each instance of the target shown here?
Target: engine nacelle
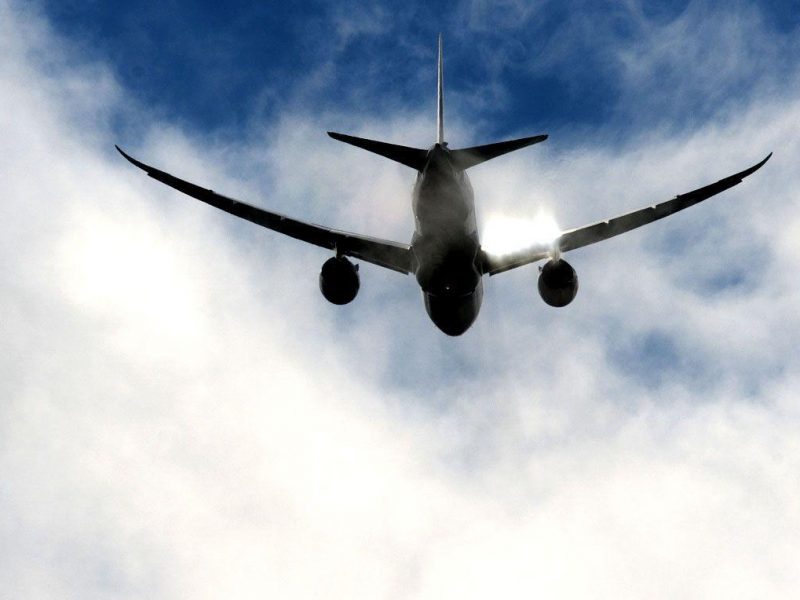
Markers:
(558, 282)
(338, 280)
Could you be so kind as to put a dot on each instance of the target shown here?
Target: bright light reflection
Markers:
(506, 235)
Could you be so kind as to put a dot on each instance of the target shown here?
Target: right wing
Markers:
(384, 253)
(597, 232)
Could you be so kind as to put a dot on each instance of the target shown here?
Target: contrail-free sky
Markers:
(183, 414)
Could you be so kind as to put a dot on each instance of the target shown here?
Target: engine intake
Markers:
(558, 283)
(338, 280)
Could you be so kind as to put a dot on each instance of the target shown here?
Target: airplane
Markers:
(445, 252)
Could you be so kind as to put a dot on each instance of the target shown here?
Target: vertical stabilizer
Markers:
(440, 95)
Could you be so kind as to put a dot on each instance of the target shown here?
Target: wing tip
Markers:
(132, 160)
(122, 152)
(756, 167)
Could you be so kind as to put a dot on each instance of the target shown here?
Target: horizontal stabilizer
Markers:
(469, 157)
(410, 157)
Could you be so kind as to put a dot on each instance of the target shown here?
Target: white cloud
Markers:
(184, 416)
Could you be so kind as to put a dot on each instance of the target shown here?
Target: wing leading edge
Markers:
(385, 253)
(597, 232)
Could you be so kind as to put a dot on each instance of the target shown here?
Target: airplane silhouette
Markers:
(445, 253)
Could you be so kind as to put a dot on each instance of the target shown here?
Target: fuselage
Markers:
(445, 243)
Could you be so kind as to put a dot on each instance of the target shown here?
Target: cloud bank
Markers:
(184, 416)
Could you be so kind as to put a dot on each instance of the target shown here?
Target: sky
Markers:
(184, 415)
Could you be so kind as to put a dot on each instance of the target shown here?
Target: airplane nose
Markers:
(452, 316)
(450, 283)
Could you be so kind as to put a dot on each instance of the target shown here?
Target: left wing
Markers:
(597, 232)
(384, 253)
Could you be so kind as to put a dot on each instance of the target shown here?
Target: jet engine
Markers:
(338, 280)
(558, 282)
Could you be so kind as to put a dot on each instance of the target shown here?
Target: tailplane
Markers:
(416, 158)
(410, 157)
(469, 157)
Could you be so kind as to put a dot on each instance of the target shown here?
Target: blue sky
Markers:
(218, 67)
(183, 415)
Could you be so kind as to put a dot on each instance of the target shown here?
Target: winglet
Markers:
(737, 178)
(133, 161)
(755, 168)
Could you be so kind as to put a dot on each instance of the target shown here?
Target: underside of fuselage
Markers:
(445, 243)
(447, 257)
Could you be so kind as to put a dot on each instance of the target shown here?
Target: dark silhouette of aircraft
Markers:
(445, 253)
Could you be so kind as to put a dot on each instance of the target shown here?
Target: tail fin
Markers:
(416, 158)
(440, 97)
(410, 157)
(469, 157)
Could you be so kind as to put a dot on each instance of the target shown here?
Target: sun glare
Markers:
(506, 235)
